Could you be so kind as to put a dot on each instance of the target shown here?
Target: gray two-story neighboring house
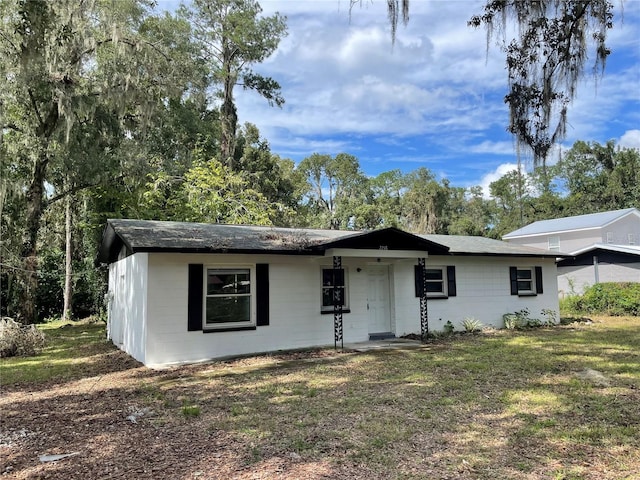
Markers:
(604, 247)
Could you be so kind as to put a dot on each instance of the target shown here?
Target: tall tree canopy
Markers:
(65, 67)
(232, 37)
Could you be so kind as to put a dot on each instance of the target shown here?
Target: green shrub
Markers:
(448, 327)
(609, 299)
(471, 324)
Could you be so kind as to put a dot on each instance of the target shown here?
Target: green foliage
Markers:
(471, 324)
(189, 410)
(522, 319)
(607, 298)
(448, 328)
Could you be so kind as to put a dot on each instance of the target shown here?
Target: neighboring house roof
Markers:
(160, 236)
(629, 249)
(579, 222)
(606, 253)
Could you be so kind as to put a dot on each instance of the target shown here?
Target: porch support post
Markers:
(337, 304)
(424, 313)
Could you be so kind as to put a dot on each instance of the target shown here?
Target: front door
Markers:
(378, 299)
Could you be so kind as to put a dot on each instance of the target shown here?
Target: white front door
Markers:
(378, 299)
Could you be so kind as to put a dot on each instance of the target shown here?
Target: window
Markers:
(434, 278)
(440, 281)
(554, 244)
(632, 239)
(526, 280)
(609, 237)
(334, 283)
(228, 297)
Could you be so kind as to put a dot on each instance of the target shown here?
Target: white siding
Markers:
(128, 304)
(148, 313)
(295, 301)
(483, 292)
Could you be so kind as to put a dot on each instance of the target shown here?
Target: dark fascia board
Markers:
(392, 238)
(110, 246)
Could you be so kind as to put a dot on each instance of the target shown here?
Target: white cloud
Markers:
(630, 139)
(494, 175)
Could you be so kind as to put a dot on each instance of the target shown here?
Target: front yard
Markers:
(555, 403)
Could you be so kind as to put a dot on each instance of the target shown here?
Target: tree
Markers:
(600, 177)
(335, 185)
(232, 37)
(544, 63)
(510, 193)
(209, 192)
(61, 62)
(425, 202)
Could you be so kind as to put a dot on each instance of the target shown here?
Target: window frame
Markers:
(531, 280)
(631, 238)
(217, 326)
(449, 288)
(330, 308)
(609, 237)
(553, 243)
(444, 281)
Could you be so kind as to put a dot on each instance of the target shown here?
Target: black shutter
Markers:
(262, 294)
(195, 297)
(539, 280)
(513, 275)
(417, 269)
(451, 281)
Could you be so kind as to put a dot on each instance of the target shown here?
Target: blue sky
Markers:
(435, 99)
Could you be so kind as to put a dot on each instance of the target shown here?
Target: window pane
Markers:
(327, 277)
(434, 274)
(220, 282)
(228, 309)
(524, 286)
(524, 274)
(327, 296)
(435, 287)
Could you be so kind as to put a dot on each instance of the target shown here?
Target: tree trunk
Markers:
(229, 114)
(35, 194)
(68, 290)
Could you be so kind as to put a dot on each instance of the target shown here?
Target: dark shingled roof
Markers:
(160, 236)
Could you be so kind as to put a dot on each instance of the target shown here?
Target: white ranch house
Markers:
(187, 292)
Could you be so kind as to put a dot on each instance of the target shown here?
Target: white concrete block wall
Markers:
(483, 292)
(127, 326)
(295, 309)
(154, 311)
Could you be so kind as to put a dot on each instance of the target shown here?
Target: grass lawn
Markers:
(503, 405)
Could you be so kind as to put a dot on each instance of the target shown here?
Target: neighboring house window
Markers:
(228, 297)
(526, 280)
(554, 244)
(609, 237)
(632, 239)
(440, 281)
(334, 282)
